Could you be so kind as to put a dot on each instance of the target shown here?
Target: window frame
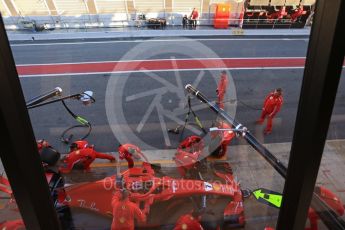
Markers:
(19, 154)
(324, 59)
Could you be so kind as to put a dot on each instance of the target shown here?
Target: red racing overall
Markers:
(194, 16)
(187, 221)
(128, 151)
(221, 89)
(278, 14)
(84, 157)
(298, 12)
(124, 213)
(272, 105)
(226, 137)
(42, 144)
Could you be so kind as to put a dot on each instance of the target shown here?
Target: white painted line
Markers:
(160, 40)
(165, 70)
(164, 59)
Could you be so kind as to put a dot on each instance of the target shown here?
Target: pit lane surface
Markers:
(251, 87)
(83, 51)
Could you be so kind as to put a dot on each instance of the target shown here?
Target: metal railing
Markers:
(87, 24)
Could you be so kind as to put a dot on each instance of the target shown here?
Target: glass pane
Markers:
(330, 183)
(9, 215)
(129, 134)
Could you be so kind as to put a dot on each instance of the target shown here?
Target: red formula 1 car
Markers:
(165, 199)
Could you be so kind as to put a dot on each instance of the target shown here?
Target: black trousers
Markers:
(184, 23)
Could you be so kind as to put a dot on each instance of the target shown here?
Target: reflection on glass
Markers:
(181, 133)
(10, 216)
(330, 183)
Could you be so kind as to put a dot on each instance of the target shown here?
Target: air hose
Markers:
(83, 123)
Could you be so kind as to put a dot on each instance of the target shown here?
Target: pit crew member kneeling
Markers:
(81, 156)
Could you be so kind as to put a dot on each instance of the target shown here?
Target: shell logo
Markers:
(216, 187)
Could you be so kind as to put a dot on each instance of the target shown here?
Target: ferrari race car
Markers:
(161, 197)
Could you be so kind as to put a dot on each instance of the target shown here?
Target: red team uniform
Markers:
(279, 14)
(272, 105)
(124, 213)
(225, 138)
(128, 151)
(188, 222)
(194, 16)
(221, 89)
(298, 13)
(82, 155)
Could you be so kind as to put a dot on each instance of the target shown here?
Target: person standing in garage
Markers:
(184, 21)
(194, 17)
